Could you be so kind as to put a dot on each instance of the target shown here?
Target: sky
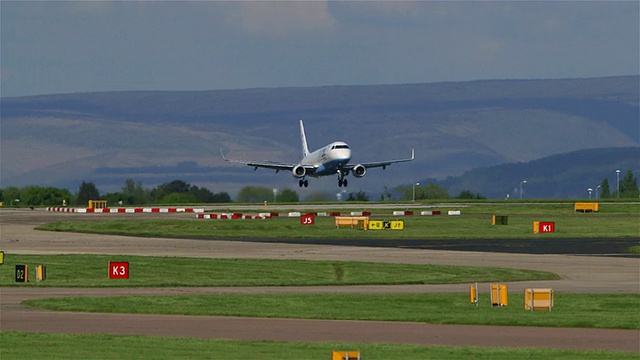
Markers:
(53, 47)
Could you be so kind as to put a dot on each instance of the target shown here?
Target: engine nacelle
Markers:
(298, 171)
(359, 171)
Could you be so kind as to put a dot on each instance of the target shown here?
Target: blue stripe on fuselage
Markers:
(331, 167)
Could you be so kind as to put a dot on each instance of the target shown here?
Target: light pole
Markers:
(597, 187)
(618, 182)
(414, 191)
(275, 193)
(589, 190)
(522, 182)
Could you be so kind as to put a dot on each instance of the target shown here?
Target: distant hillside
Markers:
(558, 176)
(153, 137)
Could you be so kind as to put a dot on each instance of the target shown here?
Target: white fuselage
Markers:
(329, 159)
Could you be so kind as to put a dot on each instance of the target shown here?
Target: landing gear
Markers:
(341, 180)
(304, 183)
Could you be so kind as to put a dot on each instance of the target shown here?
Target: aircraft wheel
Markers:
(300, 183)
(306, 183)
(344, 182)
(339, 182)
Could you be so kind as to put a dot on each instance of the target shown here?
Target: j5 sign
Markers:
(307, 219)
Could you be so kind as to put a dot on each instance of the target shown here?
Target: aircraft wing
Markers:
(383, 164)
(262, 164)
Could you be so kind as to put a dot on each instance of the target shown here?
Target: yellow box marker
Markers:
(585, 206)
(352, 221)
(499, 295)
(345, 355)
(41, 273)
(473, 293)
(538, 299)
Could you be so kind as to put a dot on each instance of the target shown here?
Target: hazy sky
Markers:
(64, 47)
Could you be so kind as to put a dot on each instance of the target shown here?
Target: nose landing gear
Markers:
(303, 182)
(341, 180)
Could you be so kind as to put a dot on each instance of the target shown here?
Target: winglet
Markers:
(413, 154)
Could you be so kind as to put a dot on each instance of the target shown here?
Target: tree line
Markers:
(131, 193)
(181, 192)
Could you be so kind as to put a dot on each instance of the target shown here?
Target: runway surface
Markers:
(580, 274)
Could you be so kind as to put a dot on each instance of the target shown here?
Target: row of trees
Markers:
(34, 196)
(433, 191)
(132, 193)
(181, 192)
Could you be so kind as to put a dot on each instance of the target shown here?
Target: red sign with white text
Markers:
(307, 219)
(546, 227)
(118, 270)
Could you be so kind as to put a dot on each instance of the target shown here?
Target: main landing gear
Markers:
(304, 183)
(341, 180)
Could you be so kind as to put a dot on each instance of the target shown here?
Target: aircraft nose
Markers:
(345, 154)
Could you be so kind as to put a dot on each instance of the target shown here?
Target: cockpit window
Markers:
(340, 147)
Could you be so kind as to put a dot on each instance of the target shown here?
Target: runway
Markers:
(580, 274)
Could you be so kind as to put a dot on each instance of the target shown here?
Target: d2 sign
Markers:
(118, 270)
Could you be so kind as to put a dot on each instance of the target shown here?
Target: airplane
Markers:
(330, 160)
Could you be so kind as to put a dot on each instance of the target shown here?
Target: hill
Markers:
(559, 176)
(153, 137)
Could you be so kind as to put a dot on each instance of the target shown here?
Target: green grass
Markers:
(18, 345)
(467, 226)
(147, 271)
(621, 311)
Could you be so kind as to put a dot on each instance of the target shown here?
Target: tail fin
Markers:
(303, 138)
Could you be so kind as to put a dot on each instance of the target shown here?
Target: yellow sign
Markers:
(1, 257)
(386, 225)
(345, 355)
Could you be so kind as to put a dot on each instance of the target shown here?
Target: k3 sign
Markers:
(307, 219)
(118, 270)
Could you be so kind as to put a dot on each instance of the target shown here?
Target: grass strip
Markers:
(467, 226)
(148, 271)
(620, 311)
(19, 345)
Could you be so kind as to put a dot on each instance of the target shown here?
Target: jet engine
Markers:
(298, 171)
(359, 171)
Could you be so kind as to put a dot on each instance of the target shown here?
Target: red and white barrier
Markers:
(234, 216)
(124, 210)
